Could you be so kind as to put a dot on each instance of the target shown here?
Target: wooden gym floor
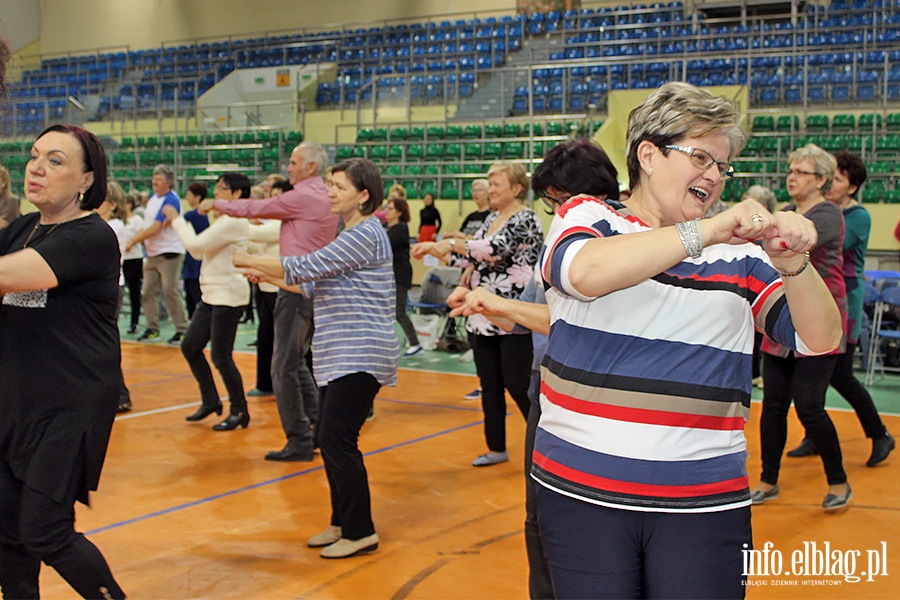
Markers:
(186, 512)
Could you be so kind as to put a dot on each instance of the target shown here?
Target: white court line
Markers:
(155, 411)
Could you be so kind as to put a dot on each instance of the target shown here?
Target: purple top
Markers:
(307, 223)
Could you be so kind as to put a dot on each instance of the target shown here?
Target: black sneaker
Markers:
(176, 339)
(148, 336)
(124, 406)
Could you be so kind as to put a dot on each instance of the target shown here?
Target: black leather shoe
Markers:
(290, 455)
(204, 411)
(806, 448)
(125, 406)
(881, 447)
(242, 419)
(834, 502)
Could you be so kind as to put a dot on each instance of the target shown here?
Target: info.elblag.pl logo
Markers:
(813, 564)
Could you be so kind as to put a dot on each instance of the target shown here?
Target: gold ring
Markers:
(756, 217)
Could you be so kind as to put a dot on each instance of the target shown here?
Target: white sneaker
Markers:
(412, 351)
(326, 538)
(344, 548)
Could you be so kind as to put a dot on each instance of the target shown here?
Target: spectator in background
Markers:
(9, 204)
(114, 212)
(568, 170)
(794, 375)
(398, 233)
(848, 178)
(503, 254)
(225, 293)
(763, 195)
(266, 184)
(190, 271)
(429, 219)
(307, 224)
(133, 263)
(165, 255)
(473, 220)
(264, 236)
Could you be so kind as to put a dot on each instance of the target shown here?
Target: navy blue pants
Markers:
(599, 552)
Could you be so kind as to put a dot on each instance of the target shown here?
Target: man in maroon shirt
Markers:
(307, 224)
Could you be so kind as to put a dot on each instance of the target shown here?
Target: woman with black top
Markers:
(397, 215)
(59, 365)
(429, 220)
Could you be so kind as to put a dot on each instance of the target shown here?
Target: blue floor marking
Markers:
(269, 482)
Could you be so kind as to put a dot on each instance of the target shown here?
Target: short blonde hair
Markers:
(824, 164)
(398, 191)
(675, 111)
(515, 174)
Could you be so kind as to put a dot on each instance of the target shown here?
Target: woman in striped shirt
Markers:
(640, 453)
(355, 348)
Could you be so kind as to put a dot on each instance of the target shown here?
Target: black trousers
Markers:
(345, 405)
(600, 552)
(133, 272)
(406, 324)
(503, 362)
(539, 585)
(34, 529)
(192, 295)
(803, 380)
(848, 386)
(265, 339)
(218, 325)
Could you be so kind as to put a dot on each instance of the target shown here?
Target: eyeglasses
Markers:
(552, 202)
(703, 160)
(799, 172)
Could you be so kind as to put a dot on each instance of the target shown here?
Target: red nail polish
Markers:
(784, 245)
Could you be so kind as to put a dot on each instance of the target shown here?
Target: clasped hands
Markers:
(785, 235)
(244, 262)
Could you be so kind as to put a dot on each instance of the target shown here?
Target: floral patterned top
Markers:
(504, 261)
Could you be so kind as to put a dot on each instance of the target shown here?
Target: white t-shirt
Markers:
(166, 240)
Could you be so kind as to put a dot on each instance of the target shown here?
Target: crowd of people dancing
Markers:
(635, 458)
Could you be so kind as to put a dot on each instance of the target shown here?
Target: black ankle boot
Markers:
(881, 447)
(204, 411)
(241, 419)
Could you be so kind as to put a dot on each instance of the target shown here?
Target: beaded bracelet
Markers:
(691, 238)
(798, 271)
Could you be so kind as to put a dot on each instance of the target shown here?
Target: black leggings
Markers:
(503, 363)
(803, 380)
(34, 528)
